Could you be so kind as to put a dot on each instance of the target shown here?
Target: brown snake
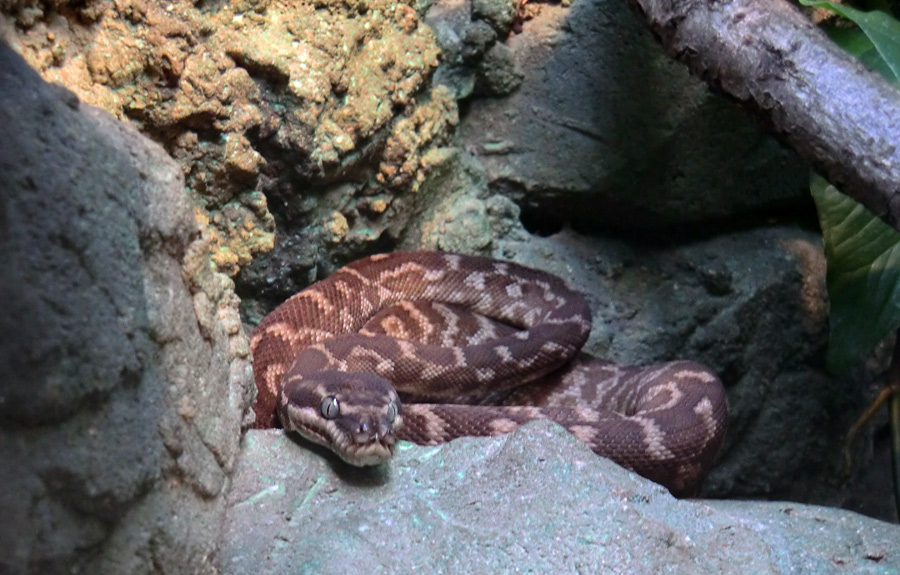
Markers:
(427, 347)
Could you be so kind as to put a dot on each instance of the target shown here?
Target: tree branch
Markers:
(841, 118)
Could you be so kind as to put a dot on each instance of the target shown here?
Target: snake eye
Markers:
(392, 411)
(330, 407)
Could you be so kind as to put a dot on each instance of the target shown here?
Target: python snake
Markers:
(429, 346)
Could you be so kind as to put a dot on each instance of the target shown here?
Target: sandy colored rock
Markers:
(252, 96)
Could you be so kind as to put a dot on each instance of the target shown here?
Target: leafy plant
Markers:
(862, 252)
(863, 255)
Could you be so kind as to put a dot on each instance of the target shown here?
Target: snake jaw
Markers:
(364, 452)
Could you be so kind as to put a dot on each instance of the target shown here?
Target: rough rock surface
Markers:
(606, 132)
(321, 110)
(125, 369)
(535, 501)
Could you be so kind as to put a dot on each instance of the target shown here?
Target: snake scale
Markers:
(429, 346)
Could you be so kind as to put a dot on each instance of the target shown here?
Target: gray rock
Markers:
(535, 501)
(499, 13)
(606, 131)
(497, 73)
(125, 370)
(462, 41)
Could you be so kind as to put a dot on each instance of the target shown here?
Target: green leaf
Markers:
(863, 255)
(883, 31)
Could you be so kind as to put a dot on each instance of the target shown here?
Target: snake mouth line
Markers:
(368, 454)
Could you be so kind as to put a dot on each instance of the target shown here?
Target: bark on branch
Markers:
(841, 118)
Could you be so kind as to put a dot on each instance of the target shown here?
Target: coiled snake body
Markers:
(427, 347)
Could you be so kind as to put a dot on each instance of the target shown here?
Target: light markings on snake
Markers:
(295, 336)
(367, 307)
(360, 357)
(487, 331)
(533, 316)
(403, 271)
(475, 280)
(273, 375)
(394, 327)
(587, 414)
(358, 276)
(434, 275)
(432, 423)
(704, 410)
(504, 353)
(585, 433)
(453, 261)
(502, 425)
(553, 347)
(319, 299)
(514, 290)
(347, 321)
(703, 376)
(451, 330)
(672, 389)
(421, 319)
(330, 359)
(384, 295)
(485, 374)
(408, 349)
(459, 355)
(654, 438)
(345, 289)
(510, 312)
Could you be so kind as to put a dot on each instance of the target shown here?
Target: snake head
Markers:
(356, 415)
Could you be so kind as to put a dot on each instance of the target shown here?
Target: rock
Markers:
(125, 369)
(499, 13)
(536, 500)
(498, 74)
(605, 132)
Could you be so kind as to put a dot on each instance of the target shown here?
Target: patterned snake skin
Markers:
(427, 347)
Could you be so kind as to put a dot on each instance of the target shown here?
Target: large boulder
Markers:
(125, 369)
(535, 501)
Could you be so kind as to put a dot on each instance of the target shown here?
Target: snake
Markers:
(427, 347)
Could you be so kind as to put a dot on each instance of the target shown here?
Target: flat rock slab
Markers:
(534, 501)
